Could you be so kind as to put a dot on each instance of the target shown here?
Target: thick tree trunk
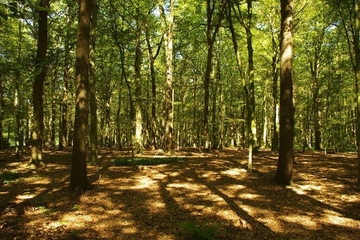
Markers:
(36, 159)
(286, 151)
(168, 23)
(78, 178)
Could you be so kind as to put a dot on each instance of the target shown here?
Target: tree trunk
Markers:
(78, 178)
(275, 73)
(357, 80)
(53, 114)
(251, 120)
(93, 158)
(138, 137)
(17, 95)
(36, 159)
(168, 23)
(212, 29)
(153, 129)
(286, 151)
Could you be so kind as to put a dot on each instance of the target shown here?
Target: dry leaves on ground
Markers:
(200, 196)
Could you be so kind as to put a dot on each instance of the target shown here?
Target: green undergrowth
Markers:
(144, 161)
(197, 231)
(11, 176)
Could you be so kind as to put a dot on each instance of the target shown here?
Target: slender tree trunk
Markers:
(118, 114)
(78, 178)
(286, 151)
(64, 106)
(36, 159)
(2, 105)
(138, 136)
(251, 120)
(212, 29)
(93, 158)
(357, 80)
(275, 139)
(17, 95)
(217, 80)
(53, 115)
(153, 129)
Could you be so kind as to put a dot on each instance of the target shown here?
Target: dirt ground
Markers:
(201, 196)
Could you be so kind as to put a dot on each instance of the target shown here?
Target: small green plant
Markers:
(11, 176)
(196, 231)
(75, 207)
(143, 161)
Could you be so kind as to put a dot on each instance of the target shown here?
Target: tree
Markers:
(78, 178)
(168, 25)
(93, 105)
(357, 79)
(215, 11)
(36, 159)
(286, 152)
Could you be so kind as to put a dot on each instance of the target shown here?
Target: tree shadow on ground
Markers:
(205, 188)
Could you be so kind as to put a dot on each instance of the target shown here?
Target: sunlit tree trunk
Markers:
(168, 24)
(286, 152)
(138, 136)
(36, 159)
(78, 178)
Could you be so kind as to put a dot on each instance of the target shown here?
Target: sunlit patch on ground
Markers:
(205, 188)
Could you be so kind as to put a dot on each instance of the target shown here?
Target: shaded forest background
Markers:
(223, 98)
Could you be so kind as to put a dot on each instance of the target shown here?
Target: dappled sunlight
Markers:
(304, 189)
(235, 172)
(125, 203)
(143, 182)
(250, 196)
(308, 222)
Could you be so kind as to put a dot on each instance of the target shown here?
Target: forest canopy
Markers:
(209, 91)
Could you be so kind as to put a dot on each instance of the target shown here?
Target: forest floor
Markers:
(197, 196)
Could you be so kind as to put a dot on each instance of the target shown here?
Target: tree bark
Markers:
(36, 159)
(212, 29)
(168, 23)
(286, 152)
(93, 158)
(357, 80)
(78, 178)
(138, 136)
(152, 57)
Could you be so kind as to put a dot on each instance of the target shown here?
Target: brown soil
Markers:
(201, 196)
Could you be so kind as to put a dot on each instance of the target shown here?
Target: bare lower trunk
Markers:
(78, 178)
(36, 159)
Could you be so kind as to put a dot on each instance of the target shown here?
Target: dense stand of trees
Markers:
(167, 74)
